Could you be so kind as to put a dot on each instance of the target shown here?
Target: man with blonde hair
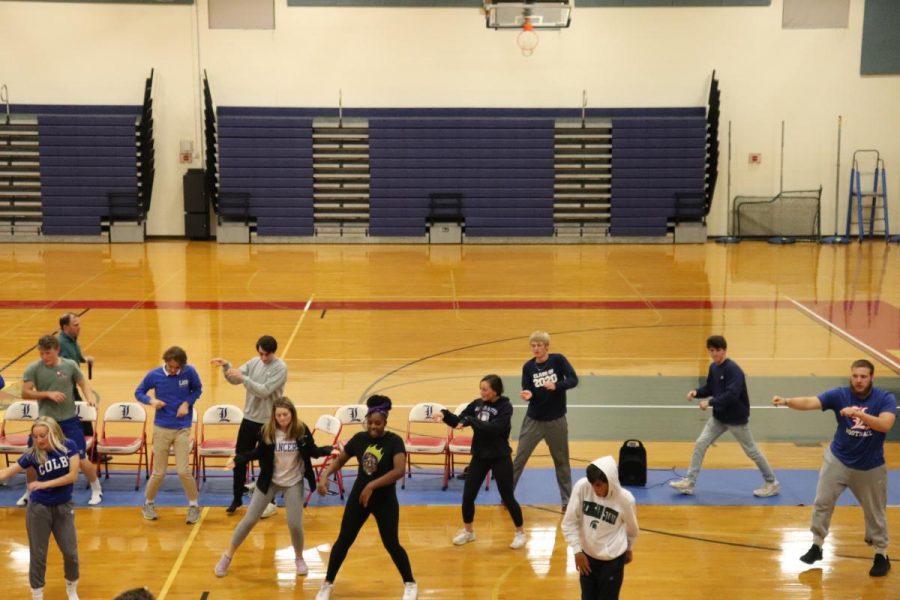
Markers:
(545, 379)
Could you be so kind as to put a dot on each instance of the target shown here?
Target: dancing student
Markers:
(55, 459)
(50, 381)
(283, 443)
(865, 415)
(382, 460)
(177, 387)
(489, 417)
(263, 377)
(600, 525)
(545, 379)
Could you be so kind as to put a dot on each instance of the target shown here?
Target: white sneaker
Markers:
(96, 497)
(410, 591)
(518, 540)
(685, 486)
(37, 593)
(325, 591)
(271, 509)
(302, 567)
(23, 501)
(463, 537)
(72, 590)
(770, 488)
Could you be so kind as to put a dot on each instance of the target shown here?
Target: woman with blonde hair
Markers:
(55, 460)
(284, 443)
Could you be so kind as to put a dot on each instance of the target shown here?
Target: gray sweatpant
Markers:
(713, 429)
(293, 502)
(870, 489)
(42, 520)
(556, 434)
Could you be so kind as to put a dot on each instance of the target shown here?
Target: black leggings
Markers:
(502, 468)
(605, 579)
(384, 506)
(248, 434)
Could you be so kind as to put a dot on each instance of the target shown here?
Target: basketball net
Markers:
(527, 39)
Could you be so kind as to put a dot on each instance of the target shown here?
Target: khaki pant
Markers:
(163, 439)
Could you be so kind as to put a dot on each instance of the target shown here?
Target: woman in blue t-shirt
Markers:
(55, 460)
(381, 456)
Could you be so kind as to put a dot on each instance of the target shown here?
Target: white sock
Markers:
(95, 486)
(194, 503)
(72, 589)
(37, 593)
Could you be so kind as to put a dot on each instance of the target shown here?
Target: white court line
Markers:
(845, 334)
(297, 327)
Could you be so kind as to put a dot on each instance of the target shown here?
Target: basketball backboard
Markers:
(512, 14)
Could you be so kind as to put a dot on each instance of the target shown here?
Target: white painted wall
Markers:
(435, 57)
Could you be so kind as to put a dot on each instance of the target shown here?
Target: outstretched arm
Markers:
(798, 402)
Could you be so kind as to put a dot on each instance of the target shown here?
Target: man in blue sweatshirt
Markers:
(177, 387)
(726, 393)
(545, 379)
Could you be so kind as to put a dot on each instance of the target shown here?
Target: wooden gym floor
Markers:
(419, 322)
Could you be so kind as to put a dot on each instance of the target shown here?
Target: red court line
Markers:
(871, 325)
(398, 304)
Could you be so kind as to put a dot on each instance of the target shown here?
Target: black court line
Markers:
(24, 354)
(416, 361)
(324, 310)
(696, 538)
(204, 595)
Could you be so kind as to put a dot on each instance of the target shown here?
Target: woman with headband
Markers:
(382, 460)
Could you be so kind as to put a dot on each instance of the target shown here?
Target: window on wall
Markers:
(815, 14)
(242, 14)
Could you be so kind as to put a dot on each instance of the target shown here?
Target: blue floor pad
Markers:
(715, 487)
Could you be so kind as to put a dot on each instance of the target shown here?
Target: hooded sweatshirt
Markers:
(603, 527)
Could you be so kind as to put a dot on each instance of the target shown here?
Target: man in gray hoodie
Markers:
(263, 377)
(600, 525)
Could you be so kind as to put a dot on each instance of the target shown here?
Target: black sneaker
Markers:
(812, 555)
(235, 504)
(881, 566)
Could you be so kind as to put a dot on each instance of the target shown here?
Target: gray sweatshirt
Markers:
(264, 384)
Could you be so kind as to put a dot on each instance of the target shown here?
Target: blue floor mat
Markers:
(715, 487)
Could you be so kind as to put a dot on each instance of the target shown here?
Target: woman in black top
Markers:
(283, 448)
(489, 417)
(381, 456)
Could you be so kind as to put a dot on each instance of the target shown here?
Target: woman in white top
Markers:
(283, 443)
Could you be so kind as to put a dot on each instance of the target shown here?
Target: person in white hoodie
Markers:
(600, 526)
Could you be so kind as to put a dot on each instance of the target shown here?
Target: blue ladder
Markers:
(877, 193)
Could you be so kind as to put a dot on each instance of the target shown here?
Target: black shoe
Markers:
(235, 504)
(812, 555)
(881, 566)
(564, 507)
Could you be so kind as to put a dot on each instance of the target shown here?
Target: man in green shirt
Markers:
(69, 329)
(51, 382)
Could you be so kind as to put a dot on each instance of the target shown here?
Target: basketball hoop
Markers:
(528, 38)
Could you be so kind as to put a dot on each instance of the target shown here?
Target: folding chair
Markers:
(22, 413)
(192, 451)
(331, 426)
(421, 443)
(88, 413)
(220, 417)
(461, 444)
(120, 414)
(353, 420)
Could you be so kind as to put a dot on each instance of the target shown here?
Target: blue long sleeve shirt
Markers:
(546, 405)
(175, 389)
(726, 388)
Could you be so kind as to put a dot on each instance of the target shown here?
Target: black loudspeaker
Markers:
(196, 206)
(633, 463)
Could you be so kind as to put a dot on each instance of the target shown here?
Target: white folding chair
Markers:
(420, 442)
(19, 415)
(330, 426)
(220, 418)
(130, 419)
